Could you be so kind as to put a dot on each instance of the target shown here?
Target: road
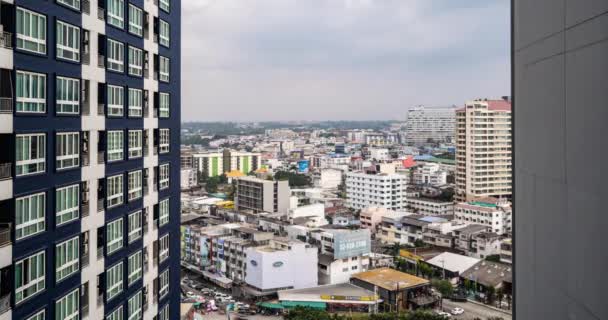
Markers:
(473, 310)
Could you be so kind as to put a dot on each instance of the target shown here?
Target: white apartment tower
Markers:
(425, 124)
(376, 190)
(483, 149)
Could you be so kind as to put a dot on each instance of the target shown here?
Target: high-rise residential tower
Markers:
(483, 149)
(425, 125)
(89, 168)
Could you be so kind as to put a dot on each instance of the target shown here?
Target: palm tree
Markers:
(500, 295)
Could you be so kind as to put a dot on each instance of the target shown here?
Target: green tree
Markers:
(467, 284)
(212, 184)
(491, 294)
(443, 286)
(500, 295)
(493, 258)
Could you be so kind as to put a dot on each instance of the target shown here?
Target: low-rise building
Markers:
(429, 174)
(429, 206)
(188, 179)
(258, 195)
(491, 212)
(371, 217)
(506, 251)
(451, 265)
(403, 228)
(465, 237)
(327, 178)
(379, 190)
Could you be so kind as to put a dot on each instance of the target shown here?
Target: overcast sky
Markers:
(262, 60)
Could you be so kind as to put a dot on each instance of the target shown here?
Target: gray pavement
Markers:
(473, 310)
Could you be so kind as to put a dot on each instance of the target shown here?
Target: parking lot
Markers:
(473, 310)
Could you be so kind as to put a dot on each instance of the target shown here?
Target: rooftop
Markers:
(342, 292)
(489, 273)
(453, 262)
(390, 279)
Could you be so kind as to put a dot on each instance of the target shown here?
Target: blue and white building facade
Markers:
(89, 159)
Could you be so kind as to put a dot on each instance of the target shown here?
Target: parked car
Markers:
(457, 311)
(444, 314)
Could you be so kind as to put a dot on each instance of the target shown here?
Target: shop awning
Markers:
(270, 305)
(306, 304)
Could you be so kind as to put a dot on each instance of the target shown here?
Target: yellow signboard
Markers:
(348, 298)
(408, 255)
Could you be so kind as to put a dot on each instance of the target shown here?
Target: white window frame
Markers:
(23, 39)
(163, 212)
(28, 159)
(116, 101)
(63, 304)
(115, 236)
(72, 210)
(116, 55)
(74, 4)
(135, 143)
(164, 105)
(67, 40)
(67, 254)
(115, 190)
(134, 306)
(33, 281)
(163, 176)
(135, 267)
(163, 281)
(164, 33)
(40, 315)
(164, 140)
(67, 95)
(67, 150)
(116, 13)
(136, 20)
(164, 68)
(164, 313)
(134, 185)
(164, 5)
(117, 314)
(114, 281)
(135, 225)
(30, 98)
(136, 61)
(30, 215)
(163, 248)
(115, 145)
(136, 103)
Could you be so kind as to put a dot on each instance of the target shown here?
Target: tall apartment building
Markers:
(483, 150)
(213, 164)
(259, 195)
(376, 190)
(89, 128)
(426, 124)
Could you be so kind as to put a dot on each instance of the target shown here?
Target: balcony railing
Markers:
(5, 170)
(5, 234)
(101, 157)
(86, 58)
(6, 105)
(84, 210)
(146, 73)
(100, 204)
(99, 253)
(101, 14)
(6, 40)
(86, 108)
(100, 299)
(85, 311)
(84, 260)
(86, 6)
(5, 303)
(86, 160)
(101, 109)
(101, 61)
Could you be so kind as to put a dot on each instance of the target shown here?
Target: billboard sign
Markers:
(303, 166)
(351, 244)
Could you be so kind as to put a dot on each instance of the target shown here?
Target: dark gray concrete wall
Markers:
(561, 159)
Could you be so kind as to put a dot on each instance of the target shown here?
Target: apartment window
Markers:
(136, 25)
(163, 69)
(116, 13)
(67, 258)
(116, 314)
(164, 314)
(37, 316)
(29, 276)
(68, 307)
(164, 284)
(165, 5)
(134, 185)
(115, 145)
(67, 204)
(30, 92)
(163, 245)
(114, 232)
(135, 225)
(29, 215)
(163, 108)
(163, 144)
(163, 212)
(164, 33)
(134, 306)
(135, 103)
(116, 100)
(116, 55)
(67, 150)
(30, 154)
(115, 190)
(67, 96)
(74, 4)
(135, 267)
(31, 31)
(135, 143)
(114, 281)
(68, 41)
(136, 61)
(163, 172)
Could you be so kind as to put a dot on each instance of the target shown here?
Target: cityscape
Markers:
(302, 160)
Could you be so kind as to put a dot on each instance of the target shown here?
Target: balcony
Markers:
(100, 300)
(5, 171)
(100, 205)
(101, 14)
(86, 6)
(85, 311)
(101, 109)
(6, 105)
(86, 161)
(101, 157)
(86, 108)
(5, 303)
(84, 260)
(101, 61)
(86, 58)
(5, 234)
(99, 253)
(84, 210)
(6, 40)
